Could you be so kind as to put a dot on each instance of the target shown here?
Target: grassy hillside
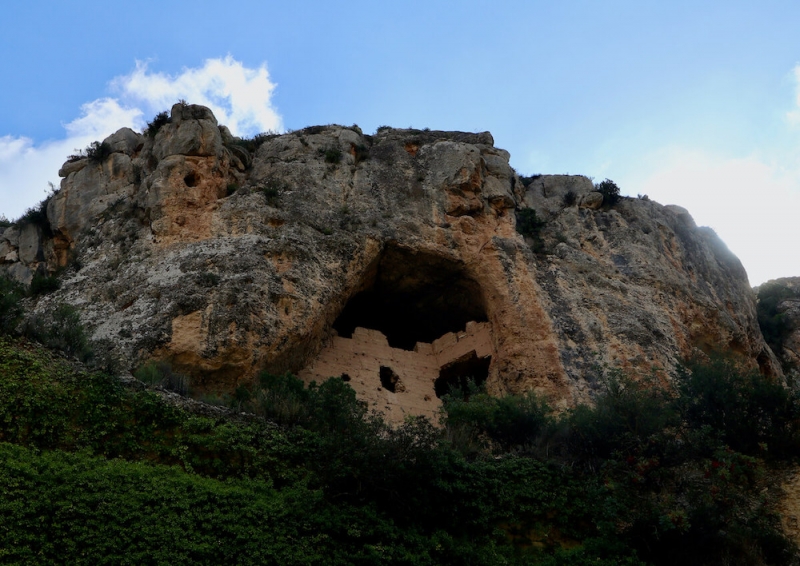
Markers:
(93, 472)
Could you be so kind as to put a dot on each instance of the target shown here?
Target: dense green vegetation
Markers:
(651, 474)
(94, 472)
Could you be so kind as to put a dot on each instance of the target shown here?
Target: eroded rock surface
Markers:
(779, 306)
(227, 258)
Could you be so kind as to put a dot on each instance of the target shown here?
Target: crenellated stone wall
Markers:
(411, 391)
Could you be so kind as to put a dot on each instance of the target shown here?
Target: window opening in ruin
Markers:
(413, 297)
(390, 380)
(345, 377)
(462, 373)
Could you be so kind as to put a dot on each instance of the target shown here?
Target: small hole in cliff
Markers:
(190, 179)
(413, 297)
(459, 374)
(390, 380)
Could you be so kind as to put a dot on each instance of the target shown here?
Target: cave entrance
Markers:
(469, 369)
(413, 297)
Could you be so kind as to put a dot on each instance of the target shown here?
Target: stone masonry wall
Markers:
(362, 356)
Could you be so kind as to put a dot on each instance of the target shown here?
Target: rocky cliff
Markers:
(779, 318)
(228, 256)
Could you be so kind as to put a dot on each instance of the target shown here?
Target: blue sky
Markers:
(692, 103)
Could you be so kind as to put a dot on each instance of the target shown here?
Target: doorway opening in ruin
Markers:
(390, 380)
(460, 374)
(413, 297)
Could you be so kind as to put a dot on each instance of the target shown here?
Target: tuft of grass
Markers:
(160, 374)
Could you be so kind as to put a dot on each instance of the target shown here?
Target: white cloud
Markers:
(240, 98)
(102, 117)
(794, 115)
(750, 202)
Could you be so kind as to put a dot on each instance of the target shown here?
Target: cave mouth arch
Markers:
(413, 297)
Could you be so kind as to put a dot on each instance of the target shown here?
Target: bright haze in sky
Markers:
(691, 103)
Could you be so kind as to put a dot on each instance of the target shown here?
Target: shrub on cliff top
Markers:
(610, 192)
(161, 119)
(98, 151)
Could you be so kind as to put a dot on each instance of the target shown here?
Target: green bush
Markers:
(629, 417)
(642, 477)
(272, 191)
(360, 153)
(60, 330)
(528, 179)
(507, 423)
(252, 144)
(530, 226)
(42, 284)
(97, 152)
(742, 410)
(161, 119)
(35, 215)
(11, 295)
(333, 155)
(610, 192)
(281, 398)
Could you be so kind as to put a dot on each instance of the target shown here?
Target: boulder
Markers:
(193, 131)
(30, 244)
(11, 235)
(72, 167)
(20, 273)
(5, 249)
(592, 201)
(125, 140)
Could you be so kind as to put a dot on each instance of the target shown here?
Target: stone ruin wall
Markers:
(362, 359)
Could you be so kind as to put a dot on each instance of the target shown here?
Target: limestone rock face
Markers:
(326, 247)
(787, 292)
